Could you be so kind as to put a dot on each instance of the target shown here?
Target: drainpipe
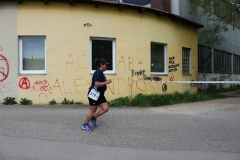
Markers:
(175, 7)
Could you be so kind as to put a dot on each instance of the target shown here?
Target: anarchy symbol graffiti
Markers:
(164, 87)
(24, 83)
(193, 84)
(4, 68)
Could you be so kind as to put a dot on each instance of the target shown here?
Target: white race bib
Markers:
(94, 94)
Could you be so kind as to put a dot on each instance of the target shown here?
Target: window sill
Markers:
(30, 74)
(164, 74)
(107, 72)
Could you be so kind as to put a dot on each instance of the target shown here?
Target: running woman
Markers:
(96, 94)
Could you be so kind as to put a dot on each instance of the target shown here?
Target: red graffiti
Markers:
(130, 62)
(24, 83)
(43, 94)
(77, 85)
(56, 84)
(172, 78)
(43, 82)
(4, 68)
(42, 87)
(1, 48)
(4, 87)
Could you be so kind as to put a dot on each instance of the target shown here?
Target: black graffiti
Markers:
(171, 60)
(153, 78)
(142, 73)
(172, 66)
(164, 87)
(138, 73)
(193, 84)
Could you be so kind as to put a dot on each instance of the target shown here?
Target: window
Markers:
(158, 58)
(137, 2)
(204, 59)
(103, 48)
(236, 64)
(32, 58)
(222, 62)
(186, 61)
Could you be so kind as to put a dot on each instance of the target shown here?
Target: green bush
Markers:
(25, 101)
(9, 101)
(52, 102)
(212, 88)
(231, 88)
(144, 100)
(79, 102)
(65, 101)
(71, 102)
(121, 101)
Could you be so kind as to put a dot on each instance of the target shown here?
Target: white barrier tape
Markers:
(229, 82)
(206, 81)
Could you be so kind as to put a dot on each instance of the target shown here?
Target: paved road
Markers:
(199, 131)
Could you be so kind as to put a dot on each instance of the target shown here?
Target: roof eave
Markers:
(120, 6)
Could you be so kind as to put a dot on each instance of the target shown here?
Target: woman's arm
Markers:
(101, 84)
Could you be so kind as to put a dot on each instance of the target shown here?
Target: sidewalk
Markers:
(32, 149)
(199, 131)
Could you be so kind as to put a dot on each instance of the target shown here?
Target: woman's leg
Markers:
(90, 114)
(104, 108)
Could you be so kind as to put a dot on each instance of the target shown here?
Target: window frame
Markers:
(190, 64)
(21, 71)
(113, 63)
(236, 64)
(201, 65)
(222, 62)
(165, 59)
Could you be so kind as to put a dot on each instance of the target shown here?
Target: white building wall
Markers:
(8, 50)
(232, 45)
(175, 7)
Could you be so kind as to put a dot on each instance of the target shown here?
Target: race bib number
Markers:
(94, 94)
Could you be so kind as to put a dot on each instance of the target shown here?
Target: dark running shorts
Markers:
(100, 100)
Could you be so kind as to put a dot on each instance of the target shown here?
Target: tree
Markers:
(221, 14)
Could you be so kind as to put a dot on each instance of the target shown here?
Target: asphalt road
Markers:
(192, 131)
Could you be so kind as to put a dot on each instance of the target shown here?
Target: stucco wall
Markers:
(68, 49)
(8, 50)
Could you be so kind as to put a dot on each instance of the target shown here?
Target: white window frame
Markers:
(190, 62)
(165, 60)
(113, 63)
(21, 71)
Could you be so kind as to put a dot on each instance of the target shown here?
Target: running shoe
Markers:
(94, 121)
(86, 127)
